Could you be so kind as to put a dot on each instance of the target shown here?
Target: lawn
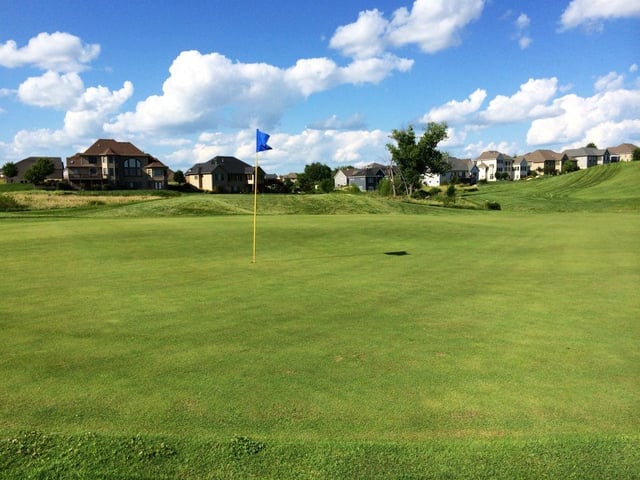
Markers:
(502, 345)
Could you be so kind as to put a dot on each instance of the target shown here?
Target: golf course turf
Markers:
(140, 341)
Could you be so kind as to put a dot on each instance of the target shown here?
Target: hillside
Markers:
(611, 188)
(605, 188)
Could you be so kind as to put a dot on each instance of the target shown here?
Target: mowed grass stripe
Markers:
(493, 325)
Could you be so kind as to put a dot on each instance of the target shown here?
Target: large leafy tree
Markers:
(9, 170)
(414, 157)
(39, 171)
(313, 175)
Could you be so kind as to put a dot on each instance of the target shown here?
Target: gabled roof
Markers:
(493, 155)
(107, 146)
(156, 164)
(540, 156)
(460, 164)
(623, 149)
(371, 170)
(584, 152)
(228, 164)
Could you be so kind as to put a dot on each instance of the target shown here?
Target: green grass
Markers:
(139, 341)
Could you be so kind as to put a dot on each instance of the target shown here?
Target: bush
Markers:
(420, 194)
(353, 188)
(493, 206)
(433, 191)
(10, 204)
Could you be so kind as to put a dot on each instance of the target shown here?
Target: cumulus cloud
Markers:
(432, 25)
(527, 102)
(578, 117)
(82, 122)
(206, 89)
(455, 111)
(355, 121)
(53, 90)
(591, 12)
(58, 52)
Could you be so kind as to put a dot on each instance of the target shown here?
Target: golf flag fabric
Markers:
(261, 141)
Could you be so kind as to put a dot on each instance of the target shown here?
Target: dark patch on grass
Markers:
(398, 253)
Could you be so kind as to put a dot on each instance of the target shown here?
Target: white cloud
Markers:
(82, 122)
(523, 21)
(54, 90)
(528, 102)
(432, 25)
(578, 116)
(58, 52)
(524, 42)
(455, 111)
(354, 122)
(633, 68)
(611, 81)
(210, 89)
(590, 12)
(363, 38)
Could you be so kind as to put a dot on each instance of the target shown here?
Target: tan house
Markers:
(622, 153)
(224, 175)
(113, 164)
(545, 162)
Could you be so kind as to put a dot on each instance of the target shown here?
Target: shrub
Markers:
(353, 188)
(420, 194)
(433, 191)
(493, 206)
(10, 204)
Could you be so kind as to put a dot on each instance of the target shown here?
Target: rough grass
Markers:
(504, 345)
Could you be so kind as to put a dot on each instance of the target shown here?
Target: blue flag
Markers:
(261, 141)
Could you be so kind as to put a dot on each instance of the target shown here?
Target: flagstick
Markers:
(255, 205)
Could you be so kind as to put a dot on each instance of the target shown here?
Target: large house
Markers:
(113, 164)
(544, 161)
(622, 153)
(366, 178)
(587, 157)
(461, 170)
(494, 166)
(25, 164)
(224, 175)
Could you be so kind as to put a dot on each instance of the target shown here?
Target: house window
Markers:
(132, 167)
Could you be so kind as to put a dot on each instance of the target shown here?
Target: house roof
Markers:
(156, 164)
(493, 155)
(584, 152)
(623, 149)
(371, 170)
(540, 156)
(108, 146)
(228, 164)
(460, 164)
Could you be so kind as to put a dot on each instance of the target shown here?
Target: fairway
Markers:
(495, 326)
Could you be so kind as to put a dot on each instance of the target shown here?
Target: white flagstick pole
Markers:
(255, 205)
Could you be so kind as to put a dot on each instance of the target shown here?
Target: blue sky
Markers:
(185, 81)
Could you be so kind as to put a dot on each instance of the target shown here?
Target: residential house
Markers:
(622, 153)
(113, 164)
(520, 168)
(545, 162)
(461, 170)
(25, 164)
(588, 157)
(341, 178)
(224, 175)
(366, 179)
(493, 165)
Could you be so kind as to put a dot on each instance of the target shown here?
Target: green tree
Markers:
(9, 170)
(570, 166)
(413, 158)
(178, 177)
(327, 185)
(591, 145)
(313, 175)
(636, 155)
(39, 171)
